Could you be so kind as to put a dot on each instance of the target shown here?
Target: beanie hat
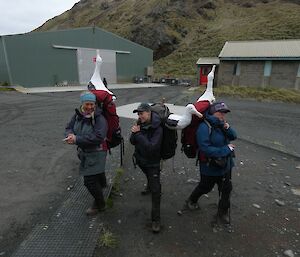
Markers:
(87, 97)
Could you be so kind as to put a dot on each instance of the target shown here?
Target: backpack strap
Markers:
(208, 125)
(209, 133)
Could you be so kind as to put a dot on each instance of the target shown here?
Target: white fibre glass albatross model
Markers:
(176, 121)
(96, 82)
(208, 95)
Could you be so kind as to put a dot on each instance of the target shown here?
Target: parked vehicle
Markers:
(185, 82)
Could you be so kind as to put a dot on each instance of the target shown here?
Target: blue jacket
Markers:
(213, 143)
(147, 143)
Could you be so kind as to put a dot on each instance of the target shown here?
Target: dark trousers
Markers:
(207, 183)
(95, 184)
(153, 179)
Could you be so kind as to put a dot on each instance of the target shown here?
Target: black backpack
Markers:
(169, 141)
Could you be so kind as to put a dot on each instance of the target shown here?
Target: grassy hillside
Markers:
(181, 31)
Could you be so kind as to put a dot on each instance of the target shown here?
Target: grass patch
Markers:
(109, 202)
(261, 94)
(108, 239)
(117, 180)
(115, 190)
(6, 89)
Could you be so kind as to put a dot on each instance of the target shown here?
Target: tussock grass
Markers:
(115, 187)
(261, 94)
(117, 180)
(108, 239)
(205, 34)
(272, 21)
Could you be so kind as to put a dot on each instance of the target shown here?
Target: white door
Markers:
(86, 65)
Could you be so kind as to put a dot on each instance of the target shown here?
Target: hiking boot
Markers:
(189, 205)
(155, 226)
(146, 191)
(94, 210)
(91, 211)
(223, 217)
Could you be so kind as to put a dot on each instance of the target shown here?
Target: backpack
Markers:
(169, 141)
(188, 134)
(105, 102)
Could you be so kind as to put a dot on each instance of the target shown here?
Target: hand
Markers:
(135, 128)
(231, 147)
(70, 139)
(226, 125)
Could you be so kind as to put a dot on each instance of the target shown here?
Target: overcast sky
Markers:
(20, 16)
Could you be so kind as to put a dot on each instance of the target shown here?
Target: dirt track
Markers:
(36, 169)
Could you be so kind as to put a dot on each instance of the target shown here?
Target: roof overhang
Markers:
(208, 61)
(259, 58)
(288, 49)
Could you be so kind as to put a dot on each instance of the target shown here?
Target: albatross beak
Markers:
(199, 114)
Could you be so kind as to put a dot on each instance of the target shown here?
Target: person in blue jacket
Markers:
(215, 159)
(87, 129)
(147, 136)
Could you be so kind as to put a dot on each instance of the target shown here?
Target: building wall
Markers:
(251, 74)
(4, 77)
(284, 74)
(35, 62)
(225, 77)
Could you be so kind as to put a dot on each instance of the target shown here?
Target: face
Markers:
(88, 107)
(144, 116)
(220, 115)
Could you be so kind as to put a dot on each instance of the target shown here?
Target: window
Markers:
(268, 68)
(237, 69)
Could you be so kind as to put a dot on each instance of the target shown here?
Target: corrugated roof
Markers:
(261, 49)
(208, 60)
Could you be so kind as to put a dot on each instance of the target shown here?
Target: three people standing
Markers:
(88, 127)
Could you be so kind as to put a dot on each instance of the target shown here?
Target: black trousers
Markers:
(95, 184)
(207, 183)
(153, 179)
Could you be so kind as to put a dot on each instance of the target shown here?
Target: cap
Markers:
(87, 97)
(218, 107)
(143, 107)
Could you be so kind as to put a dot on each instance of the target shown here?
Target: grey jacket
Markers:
(90, 139)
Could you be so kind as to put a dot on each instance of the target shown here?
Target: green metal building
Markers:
(65, 57)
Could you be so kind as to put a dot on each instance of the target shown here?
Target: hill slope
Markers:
(181, 31)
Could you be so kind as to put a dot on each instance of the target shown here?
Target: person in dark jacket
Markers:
(215, 159)
(87, 129)
(147, 138)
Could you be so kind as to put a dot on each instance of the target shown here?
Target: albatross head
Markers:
(190, 108)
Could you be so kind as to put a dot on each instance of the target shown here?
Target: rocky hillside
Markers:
(181, 31)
